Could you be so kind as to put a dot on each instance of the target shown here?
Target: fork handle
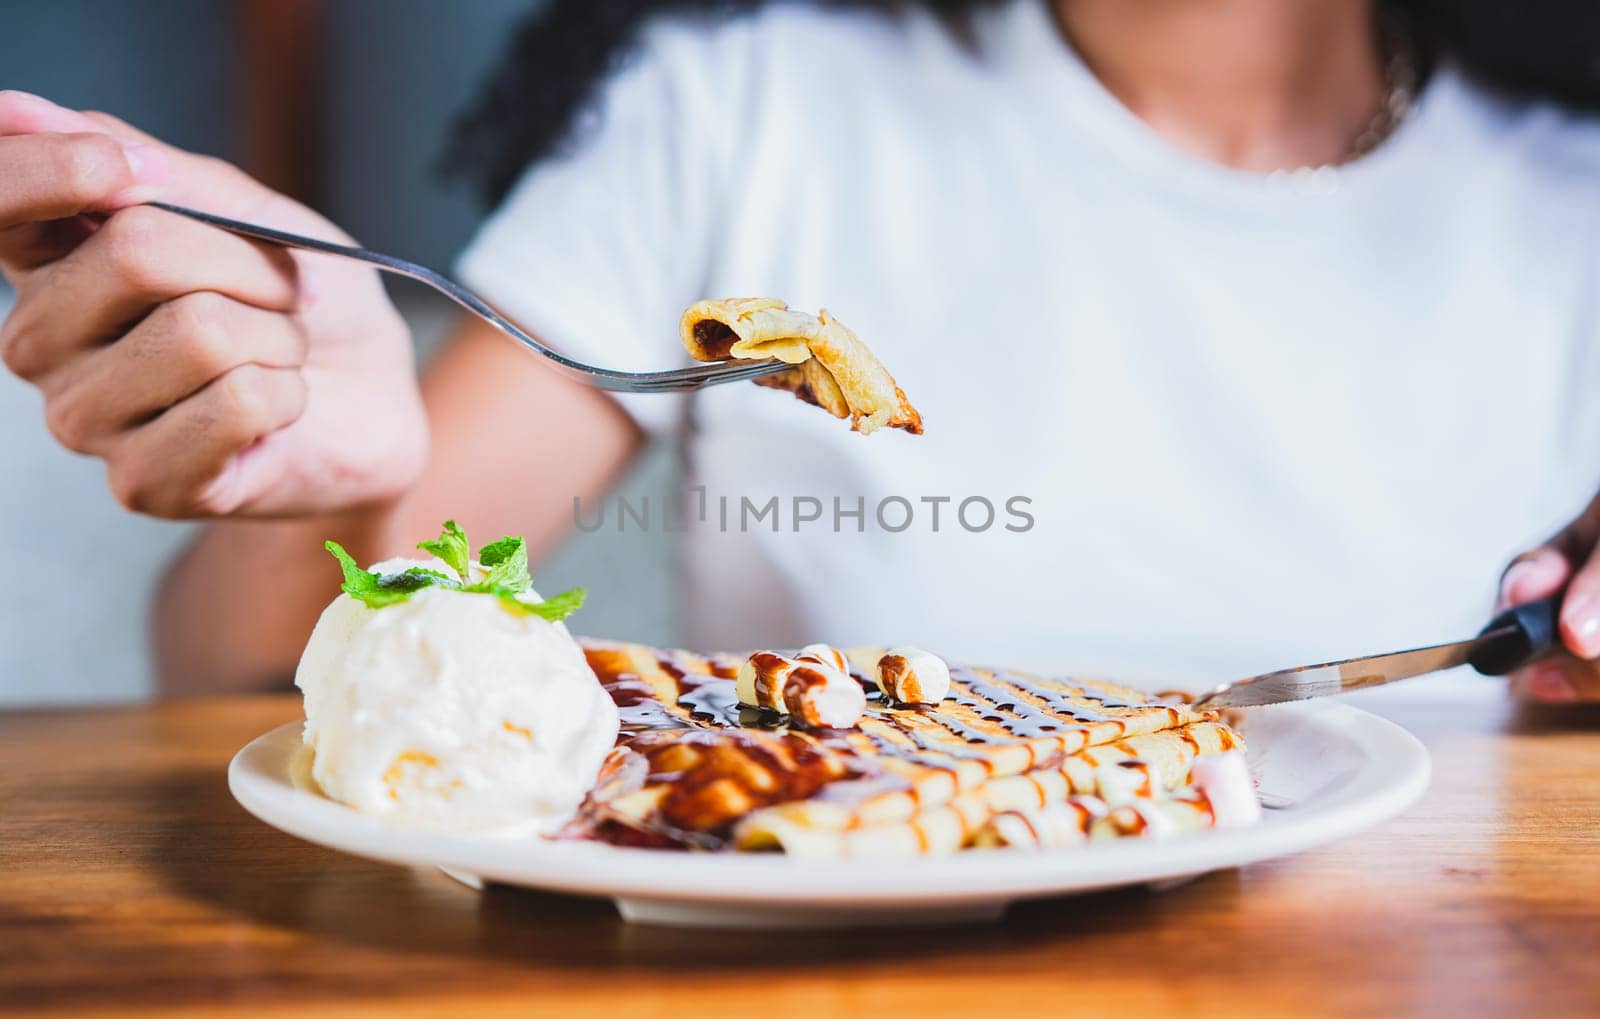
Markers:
(1533, 632)
(679, 380)
(388, 263)
(283, 238)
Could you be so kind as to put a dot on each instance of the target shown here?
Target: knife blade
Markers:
(1511, 640)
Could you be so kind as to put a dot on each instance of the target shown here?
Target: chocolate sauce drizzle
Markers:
(701, 694)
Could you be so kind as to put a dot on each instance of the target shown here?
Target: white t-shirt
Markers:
(1255, 420)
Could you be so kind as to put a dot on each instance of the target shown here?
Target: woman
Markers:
(1273, 332)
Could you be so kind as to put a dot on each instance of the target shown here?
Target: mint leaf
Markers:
(378, 598)
(506, 563)
(451, 546)
(381, 597)
(355, 578)
(364, 585)
(555, 608)
(497, 552)
(415, 579)
(422, 571)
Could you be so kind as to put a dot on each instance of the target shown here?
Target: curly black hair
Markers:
(553, 64)
(564, 48)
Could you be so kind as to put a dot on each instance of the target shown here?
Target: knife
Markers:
(1512, 639)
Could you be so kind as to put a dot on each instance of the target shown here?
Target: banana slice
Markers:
(1225, 783)
(827, 654)
(910, 675)
(810, 689)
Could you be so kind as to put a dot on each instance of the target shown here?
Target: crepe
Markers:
(833, 368)
(694, 768)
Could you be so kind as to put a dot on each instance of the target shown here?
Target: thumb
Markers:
(1534, 575)
(184, 178)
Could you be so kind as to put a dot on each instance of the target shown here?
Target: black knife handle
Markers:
(1537, 634)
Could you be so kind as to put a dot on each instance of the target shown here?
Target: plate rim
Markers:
(1372, 796)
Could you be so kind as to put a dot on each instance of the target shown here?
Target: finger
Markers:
(159, 171)
(23, 114)
(1560, 680)
(46, 178)
(1580, 610)
(31, 245)
(139, 259)
(170, 356)
(179, 464)
(26, 113)
(83, 165)
(1533, 575)
(205, 182)
(55, 163)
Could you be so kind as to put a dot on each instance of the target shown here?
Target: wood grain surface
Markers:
(131, 883)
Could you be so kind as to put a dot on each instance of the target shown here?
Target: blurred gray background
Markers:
(344, 103)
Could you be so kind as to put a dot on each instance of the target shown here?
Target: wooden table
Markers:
(130, 882)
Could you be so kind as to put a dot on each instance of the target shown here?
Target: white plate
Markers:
(1327, 769)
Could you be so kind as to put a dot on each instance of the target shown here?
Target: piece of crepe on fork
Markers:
(833, 368)
(1005, 753)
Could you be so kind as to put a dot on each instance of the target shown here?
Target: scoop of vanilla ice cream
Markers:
(447, 711)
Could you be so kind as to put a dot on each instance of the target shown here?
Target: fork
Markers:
(679, 380)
